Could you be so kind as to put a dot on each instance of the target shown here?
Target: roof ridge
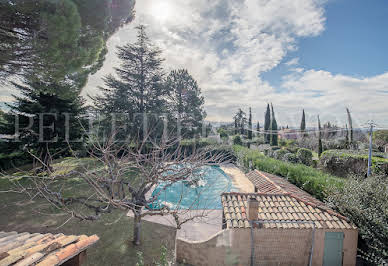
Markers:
(270, 181)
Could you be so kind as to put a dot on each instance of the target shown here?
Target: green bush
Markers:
(346, 163)
(364, 202)
(290, 157)
(223, 133)
(279, 154)
(305, 156)
(309, 179)
(14, 159)
(237, 140)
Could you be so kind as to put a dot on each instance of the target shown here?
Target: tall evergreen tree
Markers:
(250, 124)
(320, 147)
(303, 125)
(139, 89)
(185, 101)
(267, 124)
(235, 126)
(240, 120)
(347, 135)
(350, 127)
(274, 128)
(258, 129)
(45, 123)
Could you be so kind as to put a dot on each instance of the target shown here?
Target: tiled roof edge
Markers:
(270, 181)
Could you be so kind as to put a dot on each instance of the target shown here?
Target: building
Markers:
(279, 224)
(43, 249)
(290, 134)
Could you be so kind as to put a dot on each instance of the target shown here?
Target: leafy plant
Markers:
(305, 156)
(237, 140)
(364, 202)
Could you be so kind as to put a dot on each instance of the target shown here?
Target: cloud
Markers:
(227, 44)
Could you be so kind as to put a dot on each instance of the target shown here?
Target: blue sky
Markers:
(353, 43)
(317, 55)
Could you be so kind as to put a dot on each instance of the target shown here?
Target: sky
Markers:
(321, 56)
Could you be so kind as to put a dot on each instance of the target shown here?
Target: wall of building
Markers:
(271, 247)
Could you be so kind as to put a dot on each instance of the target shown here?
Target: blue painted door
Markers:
(332, 255)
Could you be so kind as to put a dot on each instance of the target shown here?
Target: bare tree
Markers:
(123, 177)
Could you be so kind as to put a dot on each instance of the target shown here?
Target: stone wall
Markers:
(271, 247)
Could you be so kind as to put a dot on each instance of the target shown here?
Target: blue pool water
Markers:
(182, 195)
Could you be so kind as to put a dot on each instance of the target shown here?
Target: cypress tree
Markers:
(350, 127)
(320, 148)
(267, 123)
(303, 124)
(258, 129)
(250, 124)
(274, 129)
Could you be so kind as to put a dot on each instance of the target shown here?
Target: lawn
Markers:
(18, 213)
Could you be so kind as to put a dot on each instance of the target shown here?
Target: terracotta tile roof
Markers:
(23, 249)
(261, 180)
(279, 211)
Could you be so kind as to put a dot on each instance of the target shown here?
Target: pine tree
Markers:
(235, 126)
(274, 128)
(347, 135)
(185, 101)
(267, 124)
(61, 118)
(139, 88)
(320, 147)
(250, 124)
(303, 125)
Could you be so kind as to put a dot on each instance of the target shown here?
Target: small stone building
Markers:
(24, 249)
(278, 208)
(279, 224)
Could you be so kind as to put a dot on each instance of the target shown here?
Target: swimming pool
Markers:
(182, 195)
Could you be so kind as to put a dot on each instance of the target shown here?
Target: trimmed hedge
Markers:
(344, 164)
(313, 181)
(305, 156)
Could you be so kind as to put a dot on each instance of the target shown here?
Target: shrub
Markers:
(279, 154)
(223, 133)
(311, 180)
(237, 140)
(14, 159)
(305, 156)
(346, 163)
(290, 157)
(365, 203)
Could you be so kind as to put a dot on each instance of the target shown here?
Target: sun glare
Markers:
(161, 10)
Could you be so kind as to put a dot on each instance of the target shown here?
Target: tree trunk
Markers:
(136, 229)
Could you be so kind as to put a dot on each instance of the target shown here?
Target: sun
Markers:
(161, 10)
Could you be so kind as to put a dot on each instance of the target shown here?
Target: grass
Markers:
(309, 179)
(115, 247)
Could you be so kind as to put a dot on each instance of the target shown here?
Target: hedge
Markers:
(344, 163)
(15, 159)
(313, 181)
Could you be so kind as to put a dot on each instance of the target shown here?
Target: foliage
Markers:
(250, 124)
(305, 156)
(239, 121)
(364, 202)
(303, 124)
(267, 124)
(351, 140)
(237, 140)
(274, 129)
(223, 133)
(14, 159)
(279, 154)
(320, 147)
(185, 102)
(309, 179)
(380, 138)
(290, 157)
(58, 38)
(139, 88)
(346, 163)
(60, 118)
